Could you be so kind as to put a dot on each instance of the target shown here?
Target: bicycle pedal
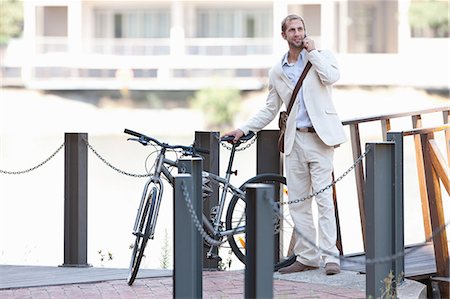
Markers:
(213, 256)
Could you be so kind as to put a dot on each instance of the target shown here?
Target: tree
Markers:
(429, 18)
(11, 19)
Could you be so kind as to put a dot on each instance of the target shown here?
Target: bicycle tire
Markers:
(232, 217)
(142, 238)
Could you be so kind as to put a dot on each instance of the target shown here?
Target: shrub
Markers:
(219, 106)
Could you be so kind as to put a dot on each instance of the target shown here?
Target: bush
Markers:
(219, 106)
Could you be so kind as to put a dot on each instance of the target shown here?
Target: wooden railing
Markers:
(432, 171)
(385, 121)
(435, 171)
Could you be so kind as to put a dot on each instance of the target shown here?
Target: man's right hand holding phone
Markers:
(308, 44)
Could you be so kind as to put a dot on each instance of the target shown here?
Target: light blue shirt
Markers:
(293, 72)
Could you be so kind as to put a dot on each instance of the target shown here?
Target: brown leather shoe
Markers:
(332, 268)
(296, 267)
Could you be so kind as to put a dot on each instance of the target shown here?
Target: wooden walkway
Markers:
(419, 262)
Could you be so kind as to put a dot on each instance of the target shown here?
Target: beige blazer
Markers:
(317, 97)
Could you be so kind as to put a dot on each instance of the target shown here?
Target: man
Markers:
(313, 130)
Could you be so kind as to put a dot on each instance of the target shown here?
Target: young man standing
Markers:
(313, 130)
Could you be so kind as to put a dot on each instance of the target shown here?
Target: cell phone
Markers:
(303, 41)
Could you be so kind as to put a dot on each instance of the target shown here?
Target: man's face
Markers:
(294, 34)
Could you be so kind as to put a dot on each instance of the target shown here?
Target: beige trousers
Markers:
(309, 169)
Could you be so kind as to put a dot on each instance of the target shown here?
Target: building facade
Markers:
(182, 44)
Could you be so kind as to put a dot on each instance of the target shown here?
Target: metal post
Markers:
(75, 200)
(188, 244)
(210, 141)
(268, 158)
(380, 216)
(398, 225)
(259, 241)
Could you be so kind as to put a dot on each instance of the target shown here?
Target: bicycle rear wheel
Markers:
(283, 225)
(142, 235)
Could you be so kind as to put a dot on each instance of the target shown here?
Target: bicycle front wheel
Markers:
(142, 235)
(283, 227)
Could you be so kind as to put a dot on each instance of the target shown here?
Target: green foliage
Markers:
(105, 257)
(223, 266)
(389, 290)
(219, 106)
(430, 15)
(165, 255)
(11, 19)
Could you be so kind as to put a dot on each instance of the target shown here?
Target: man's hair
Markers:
(290, 18)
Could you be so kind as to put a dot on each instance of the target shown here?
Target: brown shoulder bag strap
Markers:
(297, 86)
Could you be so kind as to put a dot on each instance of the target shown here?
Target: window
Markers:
(54, 20)
(372, 26)
(118, 25)
(228, 22)
(153, 23)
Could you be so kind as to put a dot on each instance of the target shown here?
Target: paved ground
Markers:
(228, 284)
(60, 282)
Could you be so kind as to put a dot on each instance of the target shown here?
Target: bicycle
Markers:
(213, 224)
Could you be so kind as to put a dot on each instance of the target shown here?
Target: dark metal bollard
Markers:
(259, 241)
(398, 228)
(75, 200)
(268, 158)
(209, 140)
(382, 227)
(188, 243)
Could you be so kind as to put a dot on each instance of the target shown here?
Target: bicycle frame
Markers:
(214, 227)
(161, 169)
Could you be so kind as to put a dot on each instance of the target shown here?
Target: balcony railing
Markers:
(158, 46)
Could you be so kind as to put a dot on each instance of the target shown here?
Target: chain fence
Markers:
(101, 158)
(276, 205)
(276, 209)
(34, 167)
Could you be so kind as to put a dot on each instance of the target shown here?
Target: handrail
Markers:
(385, 120)
(393, 115)
(419, 131)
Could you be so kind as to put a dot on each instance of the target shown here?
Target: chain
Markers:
(367, 261)
(112, 166)
(35, 167)
(249, 144)
(330, 185)
(194, 217)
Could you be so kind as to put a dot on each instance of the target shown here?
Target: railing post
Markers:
(268, 158)
(188, 244)
(380, 208)
(210, 141)
(75, 200)
(437, 216)
(259, 241)
(417, 123)
(359, 177)
(398, 228)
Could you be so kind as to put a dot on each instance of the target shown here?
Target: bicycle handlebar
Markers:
(145, 140)
(243, 138)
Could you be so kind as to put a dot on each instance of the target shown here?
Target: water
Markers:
(32, 204)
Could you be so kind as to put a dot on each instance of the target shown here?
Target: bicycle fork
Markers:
(156, 186)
